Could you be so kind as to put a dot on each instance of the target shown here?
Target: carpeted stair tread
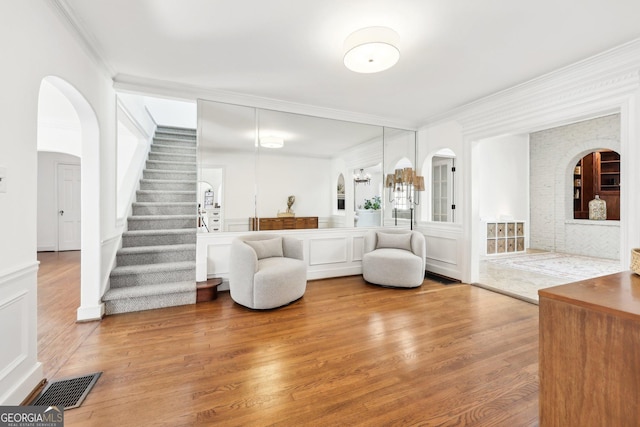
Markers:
(158, 237)
(164, 208)
(152, 217)
(157, 248)
(169, 174)
(148, 290)
(163, 147)
(167, 165)
(166, 196)
(144, 268)
(160, 232)
(173, 192)
(183, 140)
(161, 181)
(172, 157)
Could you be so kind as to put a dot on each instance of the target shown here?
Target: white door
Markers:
(68, 207)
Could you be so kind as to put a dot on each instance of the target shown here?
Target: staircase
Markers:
(156, 266)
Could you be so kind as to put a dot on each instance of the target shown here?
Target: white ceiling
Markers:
(452, 51)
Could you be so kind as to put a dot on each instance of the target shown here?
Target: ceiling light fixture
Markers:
(271, 142)
(361, 177)
(371, 50)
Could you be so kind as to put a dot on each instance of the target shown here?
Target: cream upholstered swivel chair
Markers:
(266, 271)
(394, 257)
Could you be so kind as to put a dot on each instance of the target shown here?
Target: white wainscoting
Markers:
(444, 249)
(329, 252)
(20, 371)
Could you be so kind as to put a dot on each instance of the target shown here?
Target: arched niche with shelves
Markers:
(597, 174)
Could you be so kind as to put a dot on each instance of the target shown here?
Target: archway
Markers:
(88, 147)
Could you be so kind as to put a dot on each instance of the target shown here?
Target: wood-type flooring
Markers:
(346, 354)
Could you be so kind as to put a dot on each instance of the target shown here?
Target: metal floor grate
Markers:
(67, 392)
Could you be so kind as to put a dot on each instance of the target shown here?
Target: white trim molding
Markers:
(20, 371)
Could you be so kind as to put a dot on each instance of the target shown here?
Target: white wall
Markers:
(502, 183)
(169, 112)
(47, 201)
(58, 123)
(308, 179)
(48, 50)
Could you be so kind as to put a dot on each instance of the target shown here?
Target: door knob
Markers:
(61, 213)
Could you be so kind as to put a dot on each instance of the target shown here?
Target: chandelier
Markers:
(361, 177)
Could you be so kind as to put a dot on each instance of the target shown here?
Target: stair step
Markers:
(147, 290)
(164, 208)
(175, 141)
(172, 157)
(141, 255)
(167, 185)
(162, 148)
(161, 222)
(165, 196)
(178, 236)
(170, 175)
(148, 297)
(175, 130)
(148, 274)
(171, 166)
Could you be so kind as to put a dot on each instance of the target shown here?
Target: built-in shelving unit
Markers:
(504, 237)
(597, 173)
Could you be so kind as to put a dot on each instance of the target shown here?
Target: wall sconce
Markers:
(408, 182)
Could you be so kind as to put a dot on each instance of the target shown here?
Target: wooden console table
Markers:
(283, 223)
(590, 352)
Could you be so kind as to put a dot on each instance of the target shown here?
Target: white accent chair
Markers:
(394, 257)
(266, 271)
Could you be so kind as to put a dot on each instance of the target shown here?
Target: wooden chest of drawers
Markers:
(283, 223)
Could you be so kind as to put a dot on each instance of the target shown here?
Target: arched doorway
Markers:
(87, 148)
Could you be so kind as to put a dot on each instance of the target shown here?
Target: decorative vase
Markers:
(597, 208)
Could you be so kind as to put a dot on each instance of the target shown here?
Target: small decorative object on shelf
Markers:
(289, 212)
(597, 208)
(635, 260)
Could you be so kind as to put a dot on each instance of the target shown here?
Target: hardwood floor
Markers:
(347, 353)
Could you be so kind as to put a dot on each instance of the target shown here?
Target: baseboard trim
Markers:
(25, 387)
(90, 313)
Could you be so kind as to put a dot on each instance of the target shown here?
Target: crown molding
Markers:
(80, 32)
(185, 92)
(587, 88)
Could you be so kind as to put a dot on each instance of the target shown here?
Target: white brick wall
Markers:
(553, 155)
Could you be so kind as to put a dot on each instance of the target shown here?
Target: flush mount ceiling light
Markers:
(371, 50)
(271, 142)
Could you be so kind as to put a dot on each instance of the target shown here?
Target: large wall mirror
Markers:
(275, 170)
(402, 197)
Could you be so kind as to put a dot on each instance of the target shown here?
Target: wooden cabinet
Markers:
(590, 352)
(283, 223)
(597, 173)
